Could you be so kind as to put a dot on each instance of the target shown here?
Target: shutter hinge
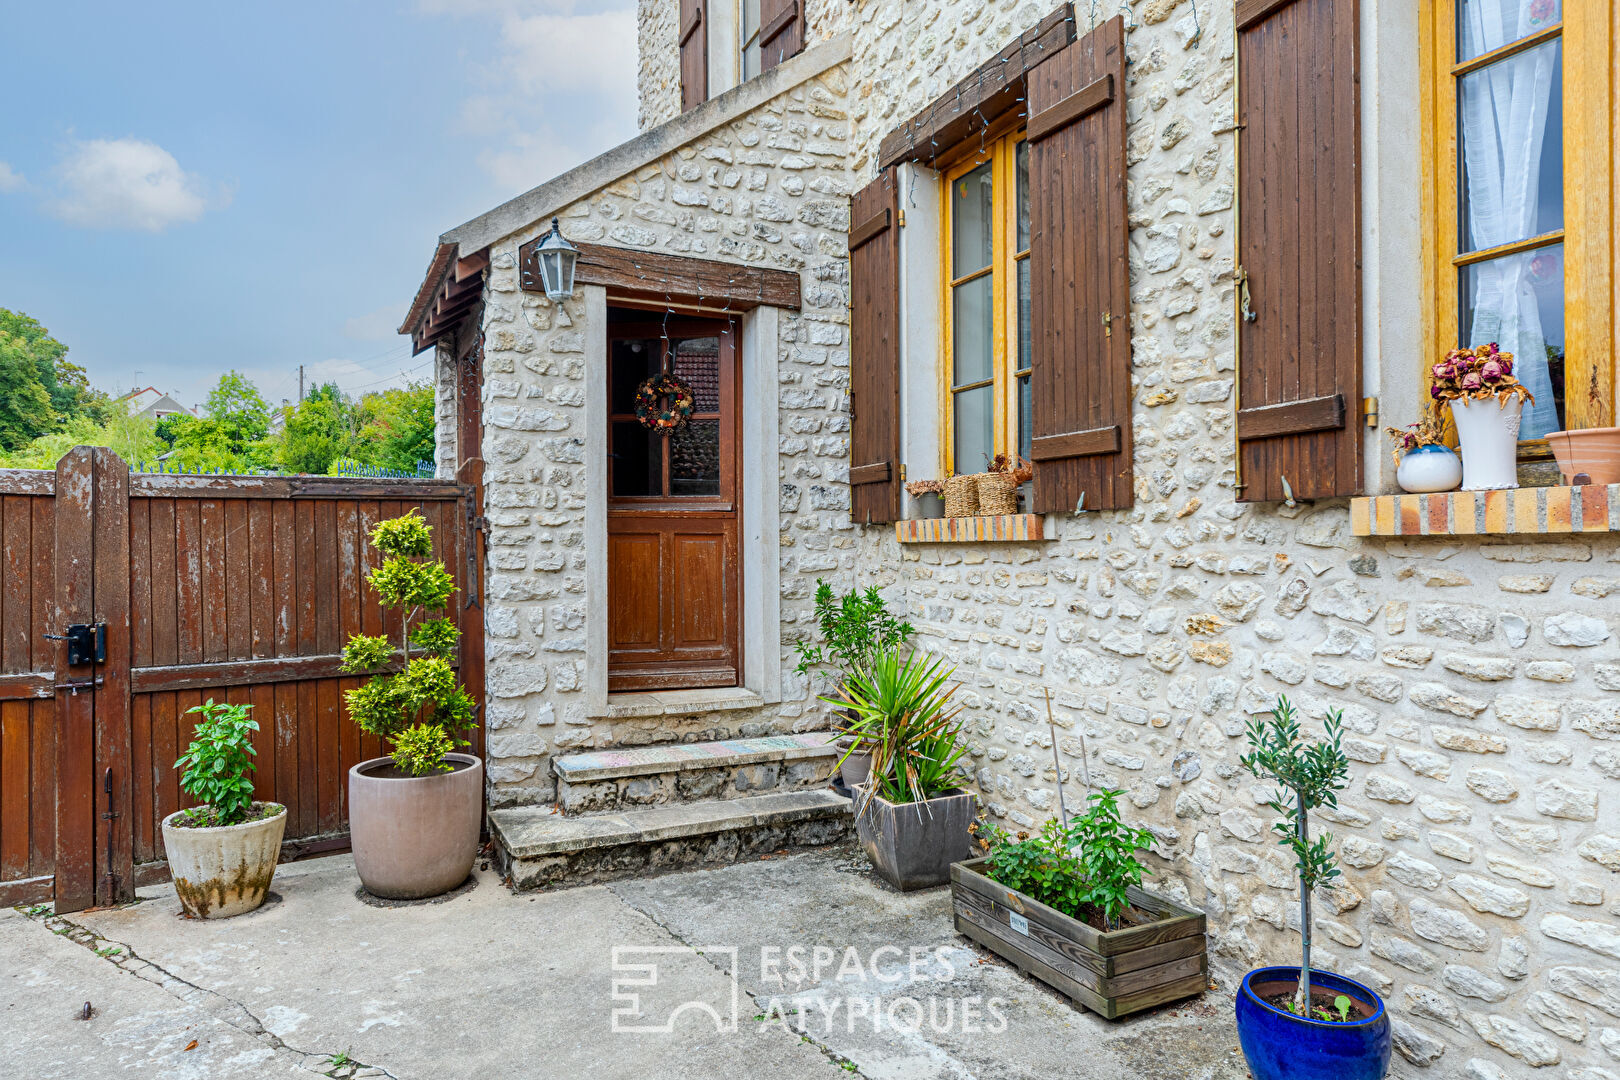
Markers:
(1243, 296)
(902, 216)
(902, 472)
(1369, 408)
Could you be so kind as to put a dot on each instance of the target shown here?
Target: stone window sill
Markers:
(1515, 511)
(678, 703)
(989, 529)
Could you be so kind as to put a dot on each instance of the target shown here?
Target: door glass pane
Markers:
(1026, 419)
(972, 332)
(637, 461)
(632, 362)
(694, 458)
(972, 216)
(1510, 123)
(1517, 301)
(696, 363)
(1483, 25)
(974, 430)
(1021, 174)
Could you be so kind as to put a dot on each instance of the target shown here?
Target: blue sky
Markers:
(187, 188)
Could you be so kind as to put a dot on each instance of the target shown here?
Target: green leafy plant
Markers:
(1089, 863)
(1310, 773)
(856, 629)
(218, 761)
(904, 718)
(420, 709)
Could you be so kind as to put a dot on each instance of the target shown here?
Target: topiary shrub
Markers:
(420, 710)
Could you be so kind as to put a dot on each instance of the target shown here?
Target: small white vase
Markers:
(1489, 432)
(1429, 468)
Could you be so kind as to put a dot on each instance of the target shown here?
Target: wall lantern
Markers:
(556, 257)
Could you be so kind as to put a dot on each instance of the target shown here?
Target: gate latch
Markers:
(87, 643)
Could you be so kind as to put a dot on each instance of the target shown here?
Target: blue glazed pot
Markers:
(1281, 1046)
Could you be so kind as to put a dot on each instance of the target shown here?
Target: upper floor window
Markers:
(987, 306)
(748, 23)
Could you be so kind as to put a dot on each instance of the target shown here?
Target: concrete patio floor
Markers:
(492, 984)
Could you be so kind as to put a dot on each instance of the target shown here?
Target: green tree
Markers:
(236, 405)
(133, 438)
(231, 434)
(317, 431)
(32, 400)
(395, 427)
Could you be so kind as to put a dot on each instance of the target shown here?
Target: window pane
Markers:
(972, 332)
(637, 460)
(694, 458)
(972, 215)
(1483, 25)
(1025, 348)
(632, 362)
(1517, 301)
(750, 38)
(1026, 418)
(697, 364)
(1021, 171)
(1512, 156)
(974, 429)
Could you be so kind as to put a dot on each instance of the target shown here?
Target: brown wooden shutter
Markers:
(694, 45)
(1079, 282)
(1299, 242)
(874, 375)
(781, 31)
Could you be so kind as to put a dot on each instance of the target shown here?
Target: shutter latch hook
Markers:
(1243, 296)
(1288, 492)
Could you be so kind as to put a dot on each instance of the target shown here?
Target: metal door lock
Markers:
(87, 643)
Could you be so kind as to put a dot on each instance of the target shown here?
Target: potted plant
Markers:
(855, 628)
(222, 853)
(1486, 400)
(413, 815)
(1066, 905)
(928, 497)
(998, 485)
(1423, 462)
(1295, 1023)
(911, 814)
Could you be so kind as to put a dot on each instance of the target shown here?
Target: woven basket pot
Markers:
(961, 496)
(998, 493)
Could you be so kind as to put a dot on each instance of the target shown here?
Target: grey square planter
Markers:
(912, 845)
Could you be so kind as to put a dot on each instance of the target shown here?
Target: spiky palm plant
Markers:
(905, 719)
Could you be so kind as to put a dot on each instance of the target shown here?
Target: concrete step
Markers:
(605, 781)
(540, 847)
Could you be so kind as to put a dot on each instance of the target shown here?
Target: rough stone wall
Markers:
(444, 411)
(1479, 680)
(769, 189)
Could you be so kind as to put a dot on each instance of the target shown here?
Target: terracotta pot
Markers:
(1592, 452)
(414, 836)
(225, 870)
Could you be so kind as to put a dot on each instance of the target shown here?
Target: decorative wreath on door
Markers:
(651, 411)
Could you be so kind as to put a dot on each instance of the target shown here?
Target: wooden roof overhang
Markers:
(675, 282)
(450, 292)
(993, 90)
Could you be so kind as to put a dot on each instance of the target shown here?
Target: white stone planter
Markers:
(1429, 468)
(1489, 432)
(226, 870)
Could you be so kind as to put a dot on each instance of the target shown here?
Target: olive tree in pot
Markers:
(1295, 1023)
(414, 815)
(911, 814)
(856, 629)
(222, 853)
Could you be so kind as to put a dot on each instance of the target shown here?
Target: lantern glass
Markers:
(556, 257)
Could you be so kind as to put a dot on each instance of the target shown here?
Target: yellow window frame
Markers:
(1001, 153)
(1589, 32)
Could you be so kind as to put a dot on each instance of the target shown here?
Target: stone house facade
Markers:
(1470, 643)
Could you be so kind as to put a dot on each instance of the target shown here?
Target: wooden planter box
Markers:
(1114, 973)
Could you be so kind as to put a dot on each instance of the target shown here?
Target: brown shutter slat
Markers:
(694, 46)
(781, 31)
(874, 375)
(1079, 284)
(1299, 239)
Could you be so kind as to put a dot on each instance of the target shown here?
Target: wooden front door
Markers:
(674, 577)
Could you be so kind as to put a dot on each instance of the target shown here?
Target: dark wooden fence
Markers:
(240, 589)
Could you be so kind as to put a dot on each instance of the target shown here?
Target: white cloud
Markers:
(374, 325)
(127, 184)
(10, 179)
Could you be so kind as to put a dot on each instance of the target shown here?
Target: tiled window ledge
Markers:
(995, 528)
(1515, 511)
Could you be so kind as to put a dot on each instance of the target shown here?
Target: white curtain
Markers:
(1503, 111)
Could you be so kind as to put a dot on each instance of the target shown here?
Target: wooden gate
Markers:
(240, 589)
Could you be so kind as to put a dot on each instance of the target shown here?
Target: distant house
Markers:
(154, 403)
